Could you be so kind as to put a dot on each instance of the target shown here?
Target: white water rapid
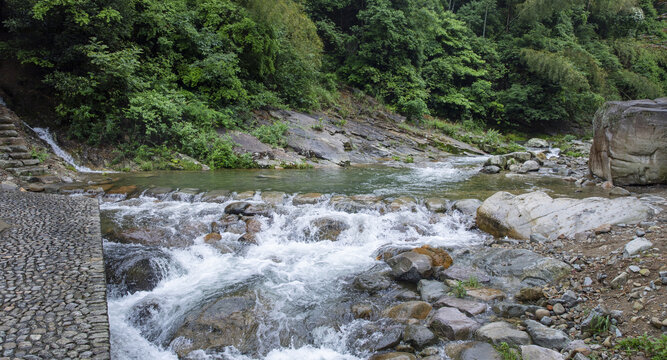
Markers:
(302, 285)
(45, 135)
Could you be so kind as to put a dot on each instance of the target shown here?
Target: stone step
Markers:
(20, 155)
(7, 127)
(30, 162)
(12, 141)
(5, 119)
(28, 171)
(6, 164)
(8, 133)
(18, 148)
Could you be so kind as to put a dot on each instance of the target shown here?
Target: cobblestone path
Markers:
(52, 285)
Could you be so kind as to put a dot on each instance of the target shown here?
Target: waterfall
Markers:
(2, 101)
(45, 135)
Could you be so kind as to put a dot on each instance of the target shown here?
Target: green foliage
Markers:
(472, 283)
(600, 324)
(39, 154)
(174, 73)
(656, 348)
(459, 290)
(273, 135)
(508, 352)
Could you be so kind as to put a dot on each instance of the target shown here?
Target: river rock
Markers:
(437, 205)
(546, 336)
(491, 169)
(326, 228)
(636, 246)
(431, 290)
(504, 214)
(528, 294)
(378, 336)
(512, 310)
(229, 321)
(372, 281)
(630, 142)
(132, 268)
(393, 356)
(522, 266)
(236, 208)
(408, 310)
(486, 295)
(537, 352)
(469, 307)
(528, 166)
(410, 266)
(537, 143)
(453, 324)
(496, 160)
(468, 206)
(419, 336)
(478, 351)
(439, 257)
(273, 197)
(499, 332)
(307, 199)
(462, 273)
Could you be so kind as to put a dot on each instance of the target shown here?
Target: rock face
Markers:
(504, 214)
(630, 142)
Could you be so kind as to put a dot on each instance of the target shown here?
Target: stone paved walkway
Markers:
(52, 284)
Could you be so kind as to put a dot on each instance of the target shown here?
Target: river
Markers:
(292, 285)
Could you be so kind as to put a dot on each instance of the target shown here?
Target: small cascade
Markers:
(45, 135)
(298, 272)
(2, 101)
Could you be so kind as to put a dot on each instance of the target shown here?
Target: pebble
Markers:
(645, 272)
(640, 233)
(559, 309)
(634, 268)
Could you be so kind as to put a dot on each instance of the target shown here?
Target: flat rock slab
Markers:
(463, 273)
(52, 284)
(519, 216)
(537, 352)
(486, 294)
(469, 307)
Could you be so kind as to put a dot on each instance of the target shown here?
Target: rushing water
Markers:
(302, 285)
(45, 135)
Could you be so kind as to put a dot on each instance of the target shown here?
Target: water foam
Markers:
(299, 277)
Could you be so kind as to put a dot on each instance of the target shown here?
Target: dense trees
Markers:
(173, 71)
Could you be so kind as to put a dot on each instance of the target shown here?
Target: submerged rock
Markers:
(326, 228)
(504, 214)
(229, 321)
(135, 268)
(468, 206)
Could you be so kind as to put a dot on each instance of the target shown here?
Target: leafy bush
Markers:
(273, 135)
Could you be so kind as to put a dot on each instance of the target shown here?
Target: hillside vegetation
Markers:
(172, 73)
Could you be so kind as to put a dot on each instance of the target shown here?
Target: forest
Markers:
(172, 73)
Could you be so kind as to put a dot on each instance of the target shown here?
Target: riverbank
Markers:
(52, 284)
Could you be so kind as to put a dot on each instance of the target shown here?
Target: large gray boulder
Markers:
(630, 142)
(519, 216)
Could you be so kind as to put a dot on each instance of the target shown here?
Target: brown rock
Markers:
(394, 356)
(408, 310)
(602, 229)
(439, 257)
(529, 294)
(486, 294)
(212, 237)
